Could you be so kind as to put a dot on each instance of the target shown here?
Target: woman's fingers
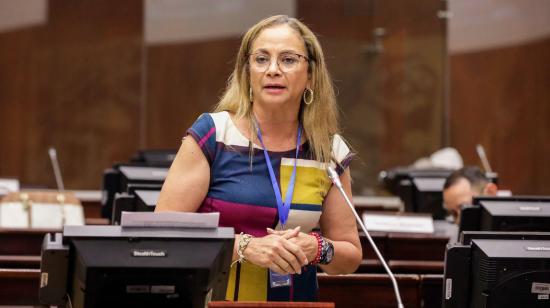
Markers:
(291, 235)
(285, 233)
(292, 256)
(277, 252)
(274, 266)
(297, 252)
(280, 262)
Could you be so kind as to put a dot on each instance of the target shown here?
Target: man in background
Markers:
(462, 185)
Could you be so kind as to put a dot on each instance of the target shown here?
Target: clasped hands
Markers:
(284, 252)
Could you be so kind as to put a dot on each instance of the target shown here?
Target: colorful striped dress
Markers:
(243, 195)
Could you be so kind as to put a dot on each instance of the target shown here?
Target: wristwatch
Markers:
(327, 251)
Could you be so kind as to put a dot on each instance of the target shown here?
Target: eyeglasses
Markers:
(287, 61)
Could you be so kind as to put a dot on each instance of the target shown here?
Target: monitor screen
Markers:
(159, 158)
(507, 214)
(110, 266)
(515, 216)
(498, 272)
(127, 178)
(428, 196)
(141, 175)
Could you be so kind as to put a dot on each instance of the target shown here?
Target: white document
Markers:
(397, 223)
(170, 219)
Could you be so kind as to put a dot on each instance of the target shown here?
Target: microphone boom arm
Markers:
(336, 181)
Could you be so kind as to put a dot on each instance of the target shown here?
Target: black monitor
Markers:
(138, 201)
(498, 270)
(157, 158)
(428, 196)
(517, 213)
(421, 194)
(421, 190)
(141, 175)
(110, 266)
(127, 178)
(466, 237)
(392, 179)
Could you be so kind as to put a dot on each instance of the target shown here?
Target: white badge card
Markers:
(277, 280)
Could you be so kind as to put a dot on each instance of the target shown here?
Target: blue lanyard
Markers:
(283, 208)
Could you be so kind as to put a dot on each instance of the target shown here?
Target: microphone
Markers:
(59, 180)
(336, 181)
(56, 170)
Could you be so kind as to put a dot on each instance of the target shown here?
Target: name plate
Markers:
(398, 223)
(8, 185)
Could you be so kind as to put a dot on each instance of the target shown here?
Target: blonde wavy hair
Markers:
(319, 119)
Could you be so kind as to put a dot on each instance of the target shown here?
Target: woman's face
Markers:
(278, 67)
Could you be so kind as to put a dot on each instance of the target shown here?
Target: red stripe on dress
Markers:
(203, 139)
(247, 218)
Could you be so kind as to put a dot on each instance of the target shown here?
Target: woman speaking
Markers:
(260, 161)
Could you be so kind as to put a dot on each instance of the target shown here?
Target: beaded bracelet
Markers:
(319, 247)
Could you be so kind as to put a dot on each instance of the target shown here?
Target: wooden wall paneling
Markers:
(499, 98)
(75, 86)
(16, 49)
(392, 98)
(184, 80)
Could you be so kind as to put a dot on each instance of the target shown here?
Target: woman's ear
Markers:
(490, 189)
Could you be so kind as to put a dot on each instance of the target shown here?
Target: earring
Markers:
(250, 94)
(308, 98)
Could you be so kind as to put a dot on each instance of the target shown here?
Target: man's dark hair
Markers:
(472, 174)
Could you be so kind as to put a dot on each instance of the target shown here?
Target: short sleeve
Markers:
(204, 133)
(342, 153)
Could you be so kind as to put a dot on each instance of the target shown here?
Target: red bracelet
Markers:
(319, 247)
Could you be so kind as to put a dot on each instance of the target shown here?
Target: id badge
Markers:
(277, 280)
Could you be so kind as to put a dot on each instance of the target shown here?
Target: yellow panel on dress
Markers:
(252, 283)
(311, 183)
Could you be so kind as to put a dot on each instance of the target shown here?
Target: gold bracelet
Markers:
(243, 243)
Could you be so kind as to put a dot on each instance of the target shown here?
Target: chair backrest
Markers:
(40, 209)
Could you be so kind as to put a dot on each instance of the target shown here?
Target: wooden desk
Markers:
(405, 246)
(15, 261)
(370, 203)
(379, 238)
(22, 241)
(415, 246)
(27, 241)
(224, 304)
(19, 286)
(368, 290)
(91, 202)
(370, 266)
(402, 267)
(431, 290)
(416, 266)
